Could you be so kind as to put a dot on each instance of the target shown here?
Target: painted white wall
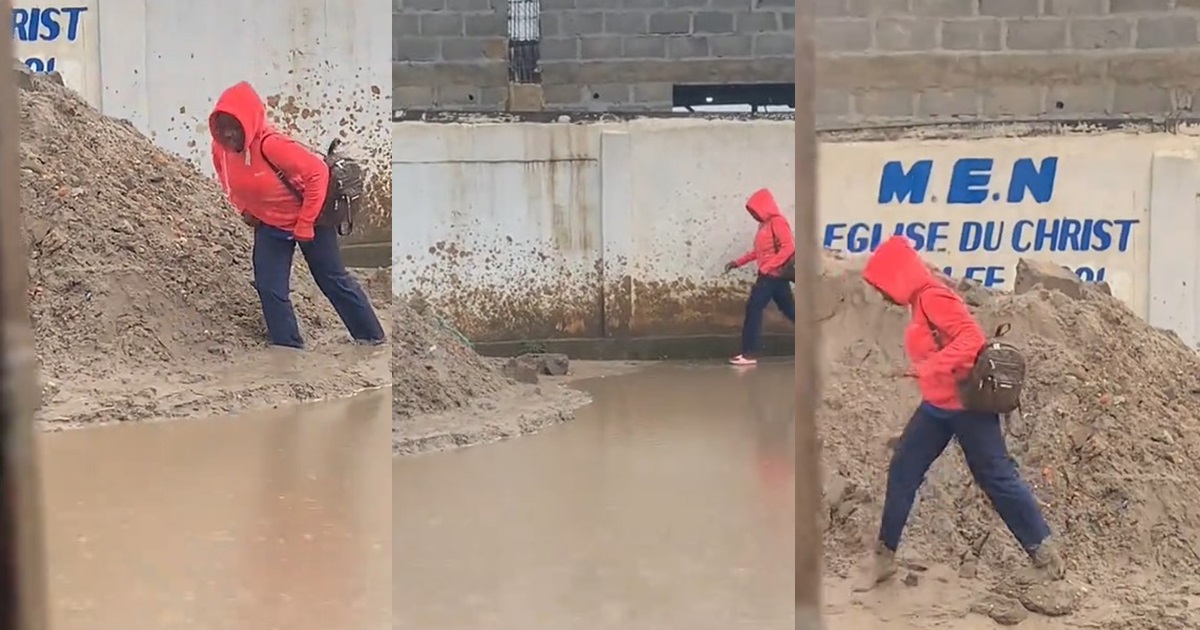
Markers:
(659, 202)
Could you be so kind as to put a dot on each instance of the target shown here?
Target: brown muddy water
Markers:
(668, 504)
(278, 519)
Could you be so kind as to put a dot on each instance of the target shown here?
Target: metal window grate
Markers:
(524, 35)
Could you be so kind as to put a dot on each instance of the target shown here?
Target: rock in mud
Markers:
(548, 363)
(523, 369)
(1031, 273)
(1005, 611)
(1052, 599)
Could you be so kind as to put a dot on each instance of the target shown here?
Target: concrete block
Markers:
(1178, 67)
(456, 96)
(415, 49)
(1073, 8)
(1070, 99)
(1175, 31)
(835, 103)
(943, 8)
(609, 93)
(642, 4)
(1141, 99)
(885, 103)
(412, 6)
(594, 5)
(556, 5)
(562, 94)
(521, 369)
(775, 4)
(1013, 100)
(751, 22)
(606, 47)
(475, 49)
(774, 45)
(1010, 8)
(549, 364)
(467, 6)
(687, 47)
(830, 9)
(442, 24)
(485, 25)
(876, 8)
(626, 22)
(1100, 33)
(644, 47)
(974, 34)
(787, 21)
(670, 23)
(412, 97)
(948, 103)
(659, 94)
(559, 48)
(1048, 275)
(851, 35)
(549, 25)
(581, 23)
(1037, 34)
(906, 34)
(741, 5)
(712, 22)
(525, 98)
(1138, 6)
(1188, 5)
(405, 25)
(741, 46)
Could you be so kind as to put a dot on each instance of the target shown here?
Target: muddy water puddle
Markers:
(668, 504)
(278, 519)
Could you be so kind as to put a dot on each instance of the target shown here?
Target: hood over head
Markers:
(762, 206)
(244, 104)
(898, 271)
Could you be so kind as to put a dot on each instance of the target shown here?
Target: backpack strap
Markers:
(283, 178)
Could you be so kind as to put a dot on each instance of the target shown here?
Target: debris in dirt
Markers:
(136, 261)
(552, 364)
(1052, 599)
(1005, 611)
(1034, 273)
(1104, 438)
(911, 580)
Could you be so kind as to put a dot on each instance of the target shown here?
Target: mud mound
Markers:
(1109, 435)
(135, 257)
(434, 368)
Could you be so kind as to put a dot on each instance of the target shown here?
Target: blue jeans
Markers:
(273, 251)
(766, 289)
(979, 434)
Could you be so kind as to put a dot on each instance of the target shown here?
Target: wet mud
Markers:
(278, 519)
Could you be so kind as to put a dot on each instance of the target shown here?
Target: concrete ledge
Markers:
(642, 349)
(367, 255)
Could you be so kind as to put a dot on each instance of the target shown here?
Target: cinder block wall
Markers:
(896, 60)
(596, 54)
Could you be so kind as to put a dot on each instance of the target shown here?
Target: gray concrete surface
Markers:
(880, 61)
(596, 54)
(901, 60)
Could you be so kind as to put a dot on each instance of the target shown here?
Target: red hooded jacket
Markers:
(898, 272)
(251, 184)
(773, 242)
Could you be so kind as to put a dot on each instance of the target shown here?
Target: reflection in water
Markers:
(273, 520)
(668, 504)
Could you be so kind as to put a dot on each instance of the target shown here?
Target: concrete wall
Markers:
(616, 229)
(596, 54)
(519, 231)
(888, 60)
(162, 65)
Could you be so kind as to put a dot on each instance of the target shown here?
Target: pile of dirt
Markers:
(434, 368)
(1109, 436)
(135, 258)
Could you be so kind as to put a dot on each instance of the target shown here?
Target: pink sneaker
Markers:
(742, 360)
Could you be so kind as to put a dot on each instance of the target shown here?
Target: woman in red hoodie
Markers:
(253, 160)
(773, 246)
(942, 341)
